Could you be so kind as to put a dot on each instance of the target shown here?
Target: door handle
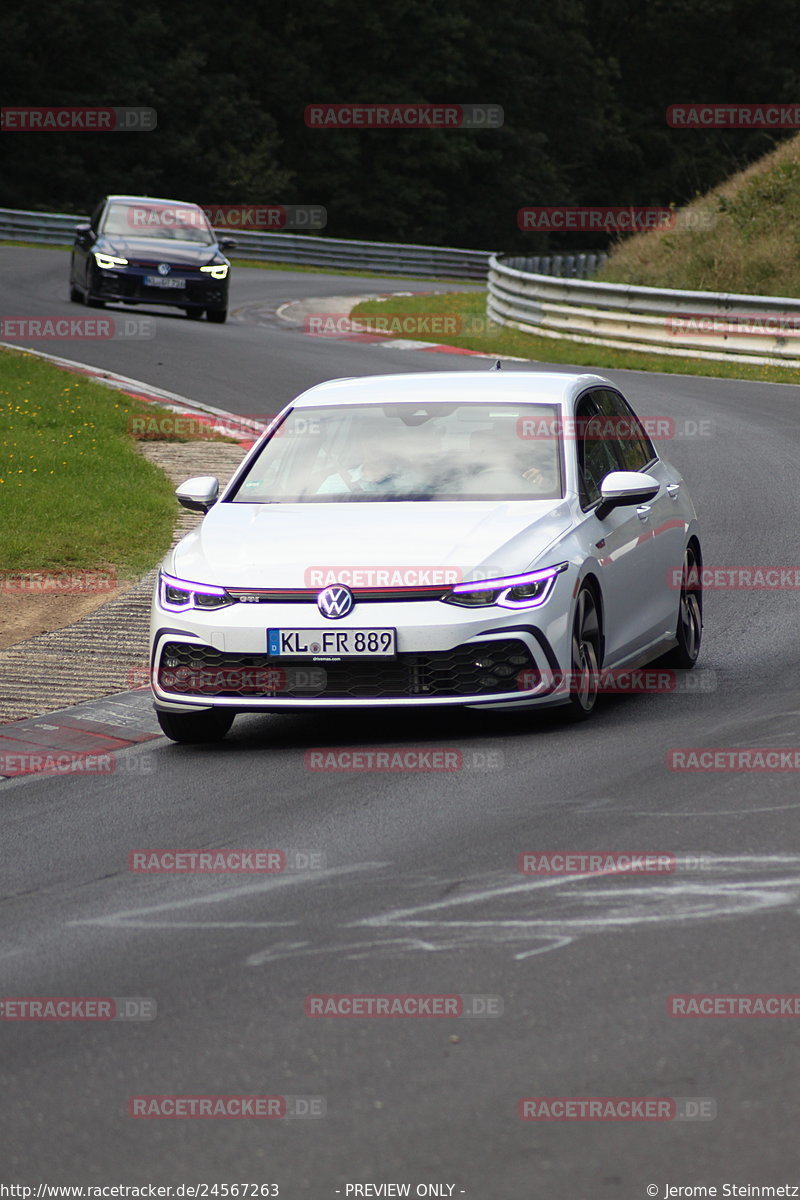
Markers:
(643, 512)
(672, 490)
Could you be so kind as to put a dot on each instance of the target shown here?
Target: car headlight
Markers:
(218, 271)
(508, 591)
(108, 261)
(178, 595)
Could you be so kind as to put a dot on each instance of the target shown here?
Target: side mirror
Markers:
(228, 243)
(621, 488)
(198, 494)
(83, 234)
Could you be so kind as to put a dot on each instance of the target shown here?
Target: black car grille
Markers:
(480, 668)
(133, 287)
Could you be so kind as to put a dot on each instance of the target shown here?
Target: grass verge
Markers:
(74, 493)
(740, 237)
(474, 331)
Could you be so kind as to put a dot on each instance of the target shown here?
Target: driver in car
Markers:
(376, 470)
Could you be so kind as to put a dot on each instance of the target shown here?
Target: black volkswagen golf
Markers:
(138, 250)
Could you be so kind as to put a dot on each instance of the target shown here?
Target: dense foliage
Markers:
(584, 85)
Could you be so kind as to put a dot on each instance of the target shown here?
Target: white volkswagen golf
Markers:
(488, 539)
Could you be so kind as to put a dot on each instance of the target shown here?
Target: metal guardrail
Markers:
(394, 258)
(57, 229)
(714, 325)
(550, 295)
(567, 266)
(53, 229)
(391, 258)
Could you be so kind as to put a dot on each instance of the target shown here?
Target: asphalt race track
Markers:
(419, 890)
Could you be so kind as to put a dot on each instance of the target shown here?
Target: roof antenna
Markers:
(497, 365)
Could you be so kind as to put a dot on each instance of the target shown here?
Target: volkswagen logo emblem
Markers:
(163, 268)
(335, 601)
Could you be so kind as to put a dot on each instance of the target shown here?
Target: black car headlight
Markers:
(178, 595)
(508, 591)
(216, 270)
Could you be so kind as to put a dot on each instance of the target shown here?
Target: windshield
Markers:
(411, 451)
(174, 222)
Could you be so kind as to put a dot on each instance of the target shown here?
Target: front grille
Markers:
(131, 286)
(480, 668)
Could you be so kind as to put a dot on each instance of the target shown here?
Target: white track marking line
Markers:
(280, 949)
(398, 915)
(555, 944)
(267, 885)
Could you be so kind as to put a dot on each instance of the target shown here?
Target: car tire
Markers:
(689, 629)
(218, 315)
(587, 641)
(194, 314)
(75, 294)
(196, 728)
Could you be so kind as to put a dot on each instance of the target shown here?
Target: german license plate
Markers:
(335, 643)
(164, 281)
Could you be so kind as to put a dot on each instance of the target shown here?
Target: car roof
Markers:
(155, 200)
(510, 387)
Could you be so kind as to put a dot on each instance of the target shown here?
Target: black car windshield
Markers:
(173, 222)
(409, 451)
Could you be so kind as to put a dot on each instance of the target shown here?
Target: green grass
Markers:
(752, 246)
(298, 269)
(491, 338)
(74, 493)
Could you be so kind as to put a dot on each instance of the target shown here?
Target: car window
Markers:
(597, 454)
(409, 451)
(94, 220)
(633, 447)
(167, 222)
